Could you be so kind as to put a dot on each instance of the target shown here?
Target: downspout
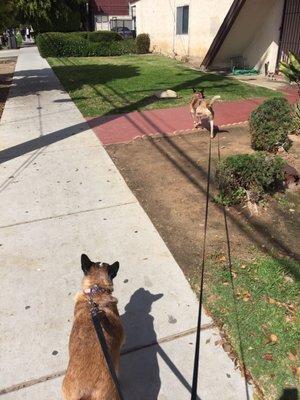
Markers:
(189, 31)
(174, 29)
(281, 33)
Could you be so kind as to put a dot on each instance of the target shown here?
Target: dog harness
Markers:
(95, 289)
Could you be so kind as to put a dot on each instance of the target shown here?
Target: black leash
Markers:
(243, 367)
(198, 334)
(96, 318)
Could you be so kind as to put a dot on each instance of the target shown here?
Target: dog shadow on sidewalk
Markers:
(139, 365)
(139, 372)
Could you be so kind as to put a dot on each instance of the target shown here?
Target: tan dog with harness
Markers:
(88, 376)
(202, 109)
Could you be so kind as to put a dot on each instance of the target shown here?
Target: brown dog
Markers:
(202, 109)
(88, 377)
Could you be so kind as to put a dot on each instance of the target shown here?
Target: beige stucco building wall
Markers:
(254, 35)
(265, 44)
(158, 18)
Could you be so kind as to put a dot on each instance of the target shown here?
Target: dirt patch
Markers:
(7, 67)
(168, 176)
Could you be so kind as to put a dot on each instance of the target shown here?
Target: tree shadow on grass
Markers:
(30, 82)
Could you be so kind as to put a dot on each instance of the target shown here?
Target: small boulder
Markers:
(291, 176)
(166, 94)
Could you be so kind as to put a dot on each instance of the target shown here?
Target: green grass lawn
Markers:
(113, 85)
(263, 321)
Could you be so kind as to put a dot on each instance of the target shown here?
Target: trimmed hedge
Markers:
(143, 43)
(98, 36)
(80, 44)
(270, 125)
(255, 174)
(104, 36)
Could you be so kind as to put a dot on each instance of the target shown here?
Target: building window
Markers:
(182, 24)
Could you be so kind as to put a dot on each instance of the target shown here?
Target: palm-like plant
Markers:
(292, 71)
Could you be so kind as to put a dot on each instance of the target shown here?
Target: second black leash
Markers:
(233, 289)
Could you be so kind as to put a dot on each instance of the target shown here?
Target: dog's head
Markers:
(199, 92)
(97, 273)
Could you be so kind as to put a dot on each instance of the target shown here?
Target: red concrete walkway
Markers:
(126, 127)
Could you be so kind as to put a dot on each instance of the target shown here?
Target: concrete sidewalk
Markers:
(61, 195)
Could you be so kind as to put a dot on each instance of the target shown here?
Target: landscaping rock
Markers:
(166, 94)
(291, 176)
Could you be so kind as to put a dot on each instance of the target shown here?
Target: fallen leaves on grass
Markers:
(288, 306)
(268, 357)
(222, 259)
(245, 295)
(288, 279)
(272, 339)
(290, 318)
(271, 301)
(292, 357)
(296, 372)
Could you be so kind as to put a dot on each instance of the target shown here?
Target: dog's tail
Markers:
(213, 100)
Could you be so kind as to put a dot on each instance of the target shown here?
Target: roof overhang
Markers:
(229, 20)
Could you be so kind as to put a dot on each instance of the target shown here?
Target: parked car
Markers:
(125, 32)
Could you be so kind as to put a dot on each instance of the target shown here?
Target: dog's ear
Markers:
(113, 270)
(86, 263)
(194, 89)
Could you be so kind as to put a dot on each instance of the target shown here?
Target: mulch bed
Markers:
(7, 67)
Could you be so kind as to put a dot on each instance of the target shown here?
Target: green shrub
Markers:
(255, 174)
(291, 69)
(270, 125)
(76, 44)
(104, 36)
(143, 43)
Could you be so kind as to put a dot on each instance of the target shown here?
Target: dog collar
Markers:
(92, 291)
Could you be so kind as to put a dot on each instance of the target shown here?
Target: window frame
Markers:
(182, 25)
